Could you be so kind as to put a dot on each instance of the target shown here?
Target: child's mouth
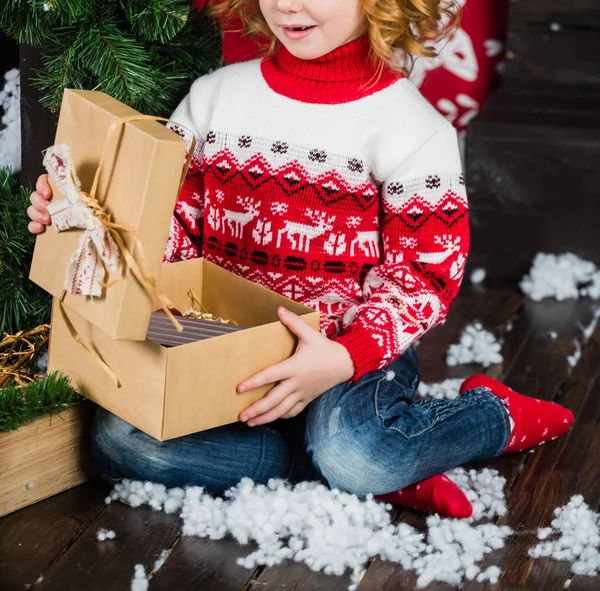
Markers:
(298, 32)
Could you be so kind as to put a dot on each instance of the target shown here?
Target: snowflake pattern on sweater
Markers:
(380, 259)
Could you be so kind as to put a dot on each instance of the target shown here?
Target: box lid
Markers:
(138, 186)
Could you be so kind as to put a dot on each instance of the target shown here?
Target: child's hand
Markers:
(317, 365)
(39, 201)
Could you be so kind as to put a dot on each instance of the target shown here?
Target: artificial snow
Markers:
(41, 365)
(478, 276)
(335, 532)
(574, 358)
(140, 580)
(563, 276)
(578, 541)
(587, 332)
(447, 389)
(10, 125)
(476, 345)
(161, 560)
(30, 485)
(105, 534)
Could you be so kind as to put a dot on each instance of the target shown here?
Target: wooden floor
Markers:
(56, 538)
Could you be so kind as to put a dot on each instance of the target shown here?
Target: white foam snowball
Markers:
(476, 345)
(478, 276)
(335, 532)
(576, 531)
(105, 534)
(447, 389)
(563, 276)
(140, 580)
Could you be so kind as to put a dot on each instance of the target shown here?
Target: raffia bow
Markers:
(101, 249)
(97, 252)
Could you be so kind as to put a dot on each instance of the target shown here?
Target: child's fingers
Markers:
(38, 215)
(36, 227)
(294, 411)
(270, 375)
(275, 413)
(271, 400)
(43, 186)
(38, 201)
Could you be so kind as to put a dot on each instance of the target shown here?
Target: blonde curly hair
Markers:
(399, 30)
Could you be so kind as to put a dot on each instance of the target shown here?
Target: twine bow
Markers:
(97, 251)
(101, 249)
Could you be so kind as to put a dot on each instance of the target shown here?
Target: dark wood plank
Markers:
(141, 535)
(33, 538)
(539, 55)
(575, 13)
(384, 576)
(292, 576)
(199, 563)
(495, 308)
(529, 148)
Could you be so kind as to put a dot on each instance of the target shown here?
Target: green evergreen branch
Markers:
(144, 53)
(156, 20)
(27, 21)
(50, 395)
(61, 69)
(22, 303)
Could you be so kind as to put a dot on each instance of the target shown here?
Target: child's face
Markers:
(333, 23)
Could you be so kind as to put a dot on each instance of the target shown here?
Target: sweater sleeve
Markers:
(185, 233)
(425, 240)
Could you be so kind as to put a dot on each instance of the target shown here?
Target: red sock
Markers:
(535, 421)
(437, 494)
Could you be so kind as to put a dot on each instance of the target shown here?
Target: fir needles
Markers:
(19, 406)
(22, 304)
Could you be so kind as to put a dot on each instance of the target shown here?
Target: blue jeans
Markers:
(369, 436)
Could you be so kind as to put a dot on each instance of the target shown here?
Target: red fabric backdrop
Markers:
(458, 82)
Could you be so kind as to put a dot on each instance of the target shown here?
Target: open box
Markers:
(165, 391)
(172, 391)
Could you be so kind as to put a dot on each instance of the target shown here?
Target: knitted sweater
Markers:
(338, 189)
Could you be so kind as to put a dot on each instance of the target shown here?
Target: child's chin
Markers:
(305, 51)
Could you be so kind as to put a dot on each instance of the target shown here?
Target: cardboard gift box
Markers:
(165, 391)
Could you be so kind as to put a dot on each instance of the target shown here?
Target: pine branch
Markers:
(22, 303)
(156, 20)
(50, 395)
(119, 62)
(62, 68)
(144, 53)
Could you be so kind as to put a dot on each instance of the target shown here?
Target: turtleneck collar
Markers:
(345, 74)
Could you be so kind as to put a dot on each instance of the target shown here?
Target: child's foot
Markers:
(535, 421)
(437, 494)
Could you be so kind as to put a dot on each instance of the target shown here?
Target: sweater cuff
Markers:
(365, 353)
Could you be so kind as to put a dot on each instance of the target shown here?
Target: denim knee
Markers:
(342, 439)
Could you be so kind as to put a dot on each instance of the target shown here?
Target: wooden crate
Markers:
(46, 457)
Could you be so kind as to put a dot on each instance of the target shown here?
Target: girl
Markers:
(322, 174)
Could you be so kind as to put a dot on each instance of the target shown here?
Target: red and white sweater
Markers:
(334, 188)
